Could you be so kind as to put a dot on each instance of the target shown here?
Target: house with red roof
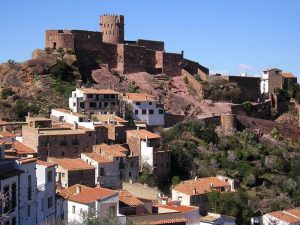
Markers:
(79, 199)
(194, 192)
(285, 217)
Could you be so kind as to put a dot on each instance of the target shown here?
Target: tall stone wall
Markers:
(131, 58)
(153, 45)
(56, 39)
(172, 64)
(275, 81)
(258, 110)
(88, 40)
(193, 67)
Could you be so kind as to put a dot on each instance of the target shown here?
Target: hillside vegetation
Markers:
(266, 167)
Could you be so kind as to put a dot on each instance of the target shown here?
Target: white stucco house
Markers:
(46, 190)
(144, 107)
(79, 199)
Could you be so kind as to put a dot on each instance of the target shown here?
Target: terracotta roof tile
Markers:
(44, 163)
(87, 195)
(128, 199)
(202, 185)
(6, 134)
(143, 134)
(113, 150)
(22, 149)
(111, 117)
(139, 97)
(71, 163)
(69, 112)
(289, 216)
(97, 157)
(287, 75)
(180, 208)
(98, 91)
(165, 221)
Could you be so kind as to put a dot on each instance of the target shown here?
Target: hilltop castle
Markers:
(109, 47)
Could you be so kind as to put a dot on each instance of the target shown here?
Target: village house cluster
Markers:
(88, 158)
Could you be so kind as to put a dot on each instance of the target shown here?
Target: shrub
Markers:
(186, 80)
(275, 134)
(6, 92)
(132, 88)
(248, 108)
(175, 180)
(62, 71)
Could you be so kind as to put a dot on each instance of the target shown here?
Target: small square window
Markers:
(73, 209)
(137, 103)
(150, 103)
(161, 111)
(144, 111)
(151, 111)
(136, 112)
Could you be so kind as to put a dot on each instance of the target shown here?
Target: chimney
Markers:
(194, 191)
(78, 189)
(75, 126)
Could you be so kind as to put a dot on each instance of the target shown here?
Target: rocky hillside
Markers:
(47, 79)
(36, 85)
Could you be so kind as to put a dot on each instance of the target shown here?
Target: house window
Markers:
(105, 104)
(150, 103)
(63, 154)
(106, 96)
(81, 105)
(13, 196)
(63, 175)
(42, 205)
(6, 192)
(29, 187)
(102, 172)
(49, 175)
(28, 211)
(14, 221)
(92, 104)
(89, 96)
(73, 209)
(137, 103)
(50, 202)
(129, 174)
(136, 112)
(151, 111)
(161, 111)
(144, 112)
(131, 164)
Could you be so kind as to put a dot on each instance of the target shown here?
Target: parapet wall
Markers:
(59, 39)
(172, 64)
(153, 45)
(258, 110)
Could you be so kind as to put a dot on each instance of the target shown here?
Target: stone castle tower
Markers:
(112, 28)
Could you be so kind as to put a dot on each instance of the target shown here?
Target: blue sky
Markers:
(230, 36)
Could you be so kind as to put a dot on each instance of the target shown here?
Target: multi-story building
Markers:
(61, 139)
(146, 145)
(27, 191)
(113, 165)
(71, 171)
(46, 190)
(274, 78)
(79, 199)
(143, 107)
(91, 101)
(194, 192)
(9, 190)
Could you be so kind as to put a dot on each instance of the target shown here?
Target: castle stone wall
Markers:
(193, 67)
(172, 64)
(59, 39)
(88, 40)
(131, 58)
(153, 45)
